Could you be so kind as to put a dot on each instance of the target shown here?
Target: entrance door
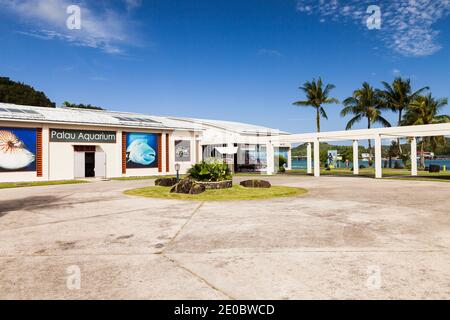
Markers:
(79, 164)
(100, 164)
(89, 164)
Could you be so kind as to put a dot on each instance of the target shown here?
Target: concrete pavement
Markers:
(347, 238)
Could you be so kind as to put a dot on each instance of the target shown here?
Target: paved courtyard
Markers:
(348, 238)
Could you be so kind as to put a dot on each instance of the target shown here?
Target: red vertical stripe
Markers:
(167, 153)
(124, 152)
(39, 164)
(159, 153)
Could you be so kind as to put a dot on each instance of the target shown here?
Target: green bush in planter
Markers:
(281, 162)
(210, 171)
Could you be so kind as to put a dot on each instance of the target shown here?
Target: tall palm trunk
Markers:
(370, 142)
(318, 118)
(422, 156)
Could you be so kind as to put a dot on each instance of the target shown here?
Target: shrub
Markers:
(210, 171)
(281, 162)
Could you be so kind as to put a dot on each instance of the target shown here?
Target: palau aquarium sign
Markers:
(142, 150)
(17, 149)
(90, 136)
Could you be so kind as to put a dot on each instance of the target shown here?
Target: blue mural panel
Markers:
(142, 150)
(17, 149)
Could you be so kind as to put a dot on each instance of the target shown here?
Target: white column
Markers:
(355, 157)
(414, 156)
(378, 167)
(308, 158)
(199, 149)
(270, 154)
(289, 159)
(316, 158)
(164, 147)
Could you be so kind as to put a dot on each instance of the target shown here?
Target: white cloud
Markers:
(132, 4)
(107, 30)
(407, 25)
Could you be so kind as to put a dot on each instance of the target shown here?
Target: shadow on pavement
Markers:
(28, 203)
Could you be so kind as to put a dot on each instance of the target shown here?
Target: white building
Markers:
(242, 145)
(62, 143)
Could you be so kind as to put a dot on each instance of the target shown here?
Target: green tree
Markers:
(67, 104)
(425, 110)
(397, 97)
(22, 94)
(364, 103)
(316, 96)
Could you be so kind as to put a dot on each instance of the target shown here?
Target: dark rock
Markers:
(434, 168)
(184, 186)
(255, 184)
(197, 189)
(166, 182)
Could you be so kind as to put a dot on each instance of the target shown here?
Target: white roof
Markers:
(126, 119)
(237, 127)
(427, 130)
(93, 117)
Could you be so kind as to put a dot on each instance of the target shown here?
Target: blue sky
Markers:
(239, 60)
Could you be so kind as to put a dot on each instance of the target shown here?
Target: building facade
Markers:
(39, 144)
(243, 146)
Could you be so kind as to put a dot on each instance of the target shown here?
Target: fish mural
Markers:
(141, 150)
(17, 149)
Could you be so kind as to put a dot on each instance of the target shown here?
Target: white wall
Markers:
(184, 165)
(60, 162)
(58, 157)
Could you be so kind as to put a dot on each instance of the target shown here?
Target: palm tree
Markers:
(365, 103)
(425, 110)
(317, 96)
(397, 97)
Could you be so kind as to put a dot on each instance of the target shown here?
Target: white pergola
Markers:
(377, 134)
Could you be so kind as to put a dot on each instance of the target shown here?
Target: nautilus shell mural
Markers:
(17, 149)
(141, 150)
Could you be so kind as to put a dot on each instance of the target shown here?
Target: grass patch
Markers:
(235, 193)
(388, 173)
(6, 185)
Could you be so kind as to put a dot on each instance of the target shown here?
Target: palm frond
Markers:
(302, 103)
(323, 113)
(353, 121)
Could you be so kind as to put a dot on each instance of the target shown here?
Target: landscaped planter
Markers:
(216, 185)
(190, 186)
(255, 184)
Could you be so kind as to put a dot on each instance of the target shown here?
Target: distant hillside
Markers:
(20, 93)
(300, 151)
